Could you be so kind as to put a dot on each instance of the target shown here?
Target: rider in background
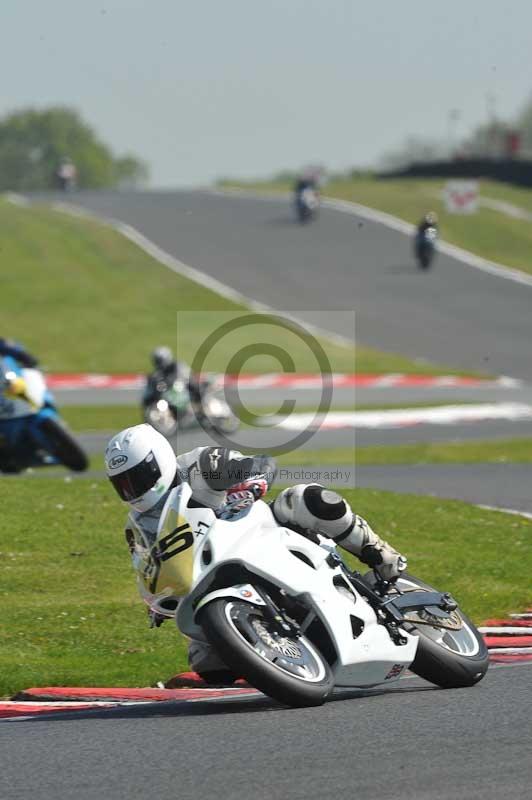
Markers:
(309, 179)
(66, 174)
(167, 369)
(141, 465)
(430, 220)
(15, 350)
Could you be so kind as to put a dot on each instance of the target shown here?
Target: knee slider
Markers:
(314, 508)
(322, 503)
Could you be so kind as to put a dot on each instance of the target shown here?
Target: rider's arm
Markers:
(15, 350)
(211, 471)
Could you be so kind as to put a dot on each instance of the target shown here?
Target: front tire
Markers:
(289, 669)
(450, 659)
(164, 422)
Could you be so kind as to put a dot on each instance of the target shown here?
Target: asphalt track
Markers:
(453, 314)
(341, 397)
(392, 743)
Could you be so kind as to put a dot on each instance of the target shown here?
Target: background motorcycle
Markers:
(307, 204)
(181, 405)
(31, 430)
(287, 614)
(425, 247)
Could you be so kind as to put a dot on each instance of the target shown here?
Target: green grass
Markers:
(69, 611)
(488, 233)
(101, 418)
(516, 195)
(489, 452)
(84, 298)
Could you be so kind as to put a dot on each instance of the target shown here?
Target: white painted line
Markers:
(16, 199)
(396, 418)
(509, 209)
(517, 512)
(509, 631)
(518, 650)
(521, 616)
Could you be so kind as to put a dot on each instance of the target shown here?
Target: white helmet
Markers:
(141, 465)
(162, 357)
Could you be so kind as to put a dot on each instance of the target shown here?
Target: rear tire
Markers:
(227, 623)
(436, 662)
(63, 446)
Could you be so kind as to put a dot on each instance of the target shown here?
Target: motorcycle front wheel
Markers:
(287, 668)
(452, 656)
(163, 420)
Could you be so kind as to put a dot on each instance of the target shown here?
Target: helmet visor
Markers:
(134, 482)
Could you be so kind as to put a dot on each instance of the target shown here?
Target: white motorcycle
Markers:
(173, 410)
(288, 615)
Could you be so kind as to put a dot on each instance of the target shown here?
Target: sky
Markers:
(206, 89)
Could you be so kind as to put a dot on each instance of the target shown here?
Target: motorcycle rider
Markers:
(14, 386)
(142, 466)
(429, 220)
(66, 174)
(8, 347)
(308, 179)
(167, 370)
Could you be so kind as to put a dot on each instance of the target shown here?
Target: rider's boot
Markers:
(205, 661)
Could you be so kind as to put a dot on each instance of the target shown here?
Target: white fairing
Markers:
(11, 408)
(255, 541)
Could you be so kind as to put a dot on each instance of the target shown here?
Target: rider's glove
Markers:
(238, 501)
(256, 486)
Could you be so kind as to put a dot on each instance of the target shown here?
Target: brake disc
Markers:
(453, 622)
(280, 644)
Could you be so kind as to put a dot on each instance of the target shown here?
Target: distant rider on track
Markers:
(167, 370)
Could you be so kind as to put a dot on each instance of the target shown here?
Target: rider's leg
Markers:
(204, 660)
(315, 509)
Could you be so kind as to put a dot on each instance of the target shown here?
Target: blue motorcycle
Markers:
(32, 433)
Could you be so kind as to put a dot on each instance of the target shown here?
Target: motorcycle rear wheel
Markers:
(63, 446)
(448, 658)
(288, 669)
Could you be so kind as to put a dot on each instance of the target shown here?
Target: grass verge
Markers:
(69, 611)
(101, 418)
(488, 233)
(99, 303)
(488, 452)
